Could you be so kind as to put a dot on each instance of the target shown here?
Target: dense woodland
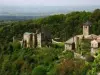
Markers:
(15, 60)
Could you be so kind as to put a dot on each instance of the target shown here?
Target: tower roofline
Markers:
(87, 23)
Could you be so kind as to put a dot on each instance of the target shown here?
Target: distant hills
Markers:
(20, 13)
(18, 18)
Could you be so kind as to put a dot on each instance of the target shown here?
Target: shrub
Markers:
(39, 70)
(68, 55)
(53, 71)
(89, 58)
(72, 67)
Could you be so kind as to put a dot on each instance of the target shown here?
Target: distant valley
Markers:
(33, 12)
(18, 18)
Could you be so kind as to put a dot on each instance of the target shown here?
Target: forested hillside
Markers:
(15, 60)
(63, 26)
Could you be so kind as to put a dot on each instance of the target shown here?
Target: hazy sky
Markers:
(49, 2)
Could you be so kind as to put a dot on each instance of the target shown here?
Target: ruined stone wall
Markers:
(34, 40)
(39, 40)
(26, 40)
(68, 46)
(85, 30)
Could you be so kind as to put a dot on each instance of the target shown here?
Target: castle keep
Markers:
(73, 43)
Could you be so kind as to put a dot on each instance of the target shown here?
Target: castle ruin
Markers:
(38, 39)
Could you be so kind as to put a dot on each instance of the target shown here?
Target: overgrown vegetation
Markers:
(44, 61)
(15, 60)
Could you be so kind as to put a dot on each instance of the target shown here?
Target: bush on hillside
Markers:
(39, 70)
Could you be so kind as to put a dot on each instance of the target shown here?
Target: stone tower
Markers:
(39, 40)
(86, 28)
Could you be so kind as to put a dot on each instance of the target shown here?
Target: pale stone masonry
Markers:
(86, 28)
(94, 46)
(72, 43)
(95, 39)
(38, 39)
(28, 39)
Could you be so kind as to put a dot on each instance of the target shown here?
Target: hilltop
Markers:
(16, 60)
